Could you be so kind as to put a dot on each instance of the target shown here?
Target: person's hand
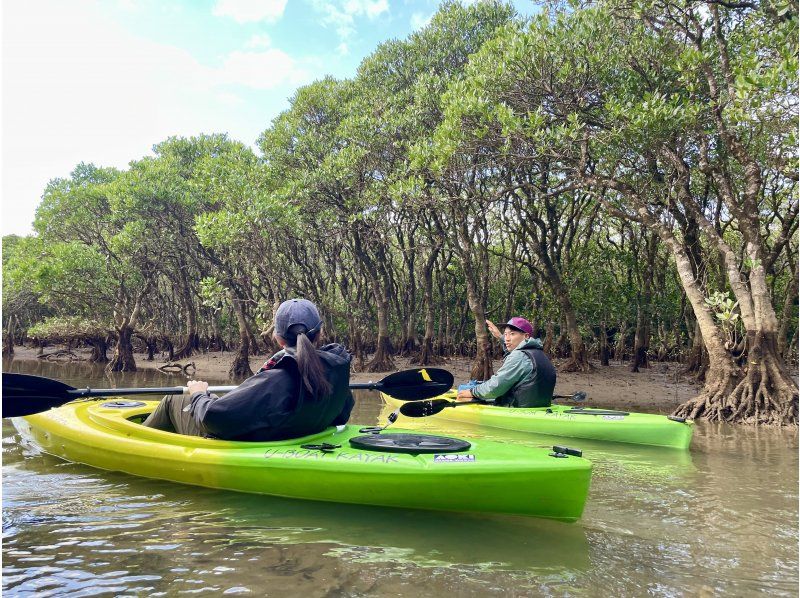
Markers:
(464, 395)
(194, 386)
(493, 330)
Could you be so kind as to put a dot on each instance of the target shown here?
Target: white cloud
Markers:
(229, 99)
(341, 15)
(420, 20)
(262, 70)
(343, 49)
(370, 8)
(248, 11)
(129, 5)
(79, 87)
(259, 41)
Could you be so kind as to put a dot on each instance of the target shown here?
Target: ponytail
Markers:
(309, 363)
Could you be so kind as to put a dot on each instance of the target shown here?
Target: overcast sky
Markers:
(103, 81)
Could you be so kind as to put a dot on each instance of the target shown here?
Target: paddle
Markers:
(407, 385)
(24, 394)
(434, 406)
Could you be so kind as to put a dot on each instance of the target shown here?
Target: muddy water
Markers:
(721, 519)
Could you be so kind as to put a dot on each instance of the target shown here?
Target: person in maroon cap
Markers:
(526, 378)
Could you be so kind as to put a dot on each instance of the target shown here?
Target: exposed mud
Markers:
(658, 389)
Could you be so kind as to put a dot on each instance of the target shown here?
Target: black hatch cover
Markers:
(409, 443)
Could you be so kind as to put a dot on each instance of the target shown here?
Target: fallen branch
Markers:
(61, 355)
(174, 367)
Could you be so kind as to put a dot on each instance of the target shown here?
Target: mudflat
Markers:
(657, 389)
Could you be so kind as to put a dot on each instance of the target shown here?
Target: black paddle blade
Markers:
(420, 383)
(425, 408)
(24, 394)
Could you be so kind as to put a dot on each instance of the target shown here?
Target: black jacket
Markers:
(274, 405)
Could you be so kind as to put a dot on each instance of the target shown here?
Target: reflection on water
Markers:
(719, 520)
(61, 517)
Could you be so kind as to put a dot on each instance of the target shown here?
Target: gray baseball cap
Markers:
(297, 311)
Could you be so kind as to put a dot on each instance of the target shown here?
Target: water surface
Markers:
(718, 520)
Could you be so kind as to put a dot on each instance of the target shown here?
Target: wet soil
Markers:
(657, 389)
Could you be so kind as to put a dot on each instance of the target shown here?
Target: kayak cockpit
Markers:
(126, 417)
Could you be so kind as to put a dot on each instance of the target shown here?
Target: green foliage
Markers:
(724, 309)
(509, 150)
(212, 293)
(59, 329)
(20, 300)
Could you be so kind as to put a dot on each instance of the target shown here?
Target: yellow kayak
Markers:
(568, 422)
(344, 464)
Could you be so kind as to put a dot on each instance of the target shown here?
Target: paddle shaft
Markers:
(366, 386)
(177, 390)
(80, 393)
(25, 394)
(554, 396)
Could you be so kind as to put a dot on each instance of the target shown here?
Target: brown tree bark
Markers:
(408, 305)
(192, 341)
(641, 339)
(122, 359)
(151, 346)
(620, 345)
(761, 392)
(240, 367)
(8, 338)
(641, 342)
(471, 250)
(426, 355)
(605, 352)
(552, 242)
(789, 308)
(99, 350)
(382, 359)
(550, 331)
(578, 357)
(482, 365)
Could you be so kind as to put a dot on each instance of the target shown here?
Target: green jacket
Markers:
(516, 367)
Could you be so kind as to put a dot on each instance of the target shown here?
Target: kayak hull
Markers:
(556, 420)
(489, 477)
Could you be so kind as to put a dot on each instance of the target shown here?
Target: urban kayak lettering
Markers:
(293, 454)
(341, 456)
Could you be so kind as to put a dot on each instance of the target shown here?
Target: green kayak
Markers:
(569, 422)
(345, 464)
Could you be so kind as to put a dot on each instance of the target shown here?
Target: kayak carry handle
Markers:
(565, 450)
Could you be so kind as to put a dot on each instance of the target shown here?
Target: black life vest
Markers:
(535, 390)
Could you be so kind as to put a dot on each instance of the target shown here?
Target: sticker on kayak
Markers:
(453, 458)
(613, 417)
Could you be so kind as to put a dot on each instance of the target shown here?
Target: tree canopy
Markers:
(623, 175)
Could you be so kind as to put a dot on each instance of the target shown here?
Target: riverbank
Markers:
(658, 389)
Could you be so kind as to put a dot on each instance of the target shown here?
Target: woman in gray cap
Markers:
(301, 390)
(526, 378)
